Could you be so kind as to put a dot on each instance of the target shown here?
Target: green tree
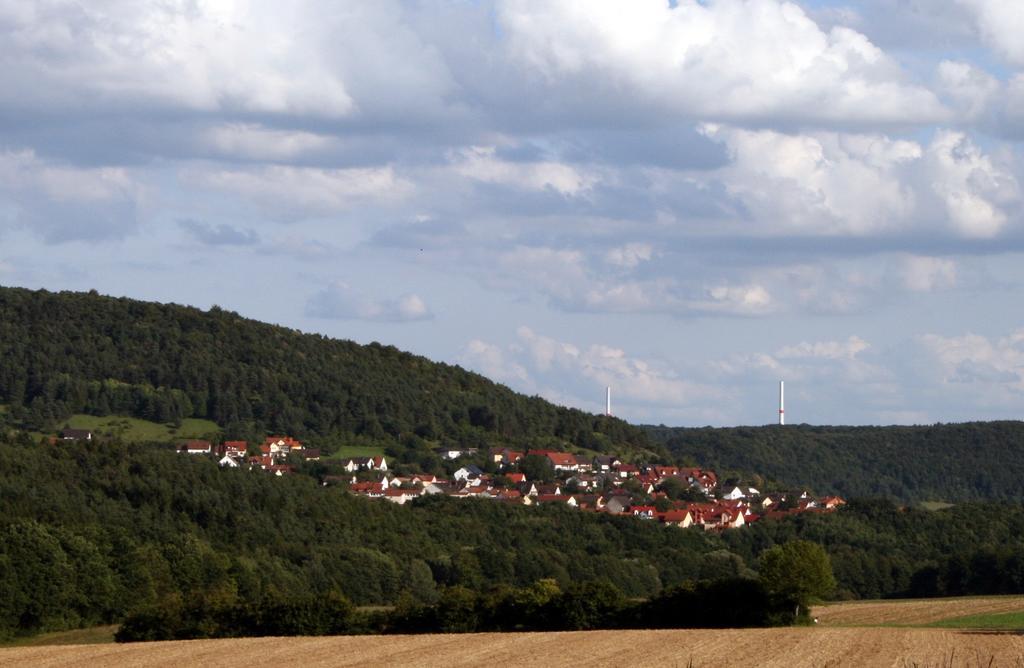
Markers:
(799, 570)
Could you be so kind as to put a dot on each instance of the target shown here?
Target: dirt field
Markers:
(783, 648)
(913, 612)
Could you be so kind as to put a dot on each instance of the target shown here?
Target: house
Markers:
(400, 496)
(516, 478)
(617, 505)
(228, 461)
(353, 464)
(282, 444)
(308, 454)
(451, 454)
(734, 493)
(196, 447)
(279, 469)
(643, 512)
(564, 499)
(627, 470)
(677, 518)
(560, 461)
(591, 501)
(505, 456)
(233, 448)
(605, 462)
(468, 472)
(76, 435)
(832, 502)
(549, 489)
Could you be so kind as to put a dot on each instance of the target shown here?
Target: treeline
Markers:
(90, 533)
(953, 462)
(69, 353)
(881, 550)
(544, 606)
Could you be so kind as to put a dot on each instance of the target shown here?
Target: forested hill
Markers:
(66, 353)
(945, 462)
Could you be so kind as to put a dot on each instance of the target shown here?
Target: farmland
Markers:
(761, 647)
(918, 612)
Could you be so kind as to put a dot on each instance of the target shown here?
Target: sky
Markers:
(687, 201)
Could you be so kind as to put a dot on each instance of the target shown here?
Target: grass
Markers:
(357, 451)
(134, 429)
(92, 636)
(935, 505)
(1006, 621)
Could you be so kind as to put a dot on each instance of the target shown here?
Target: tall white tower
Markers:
(608, 401)
(782, 402)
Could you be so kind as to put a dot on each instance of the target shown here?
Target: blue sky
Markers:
(685, 201)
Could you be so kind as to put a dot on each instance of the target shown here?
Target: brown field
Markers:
(913, 612)
(831, 644)
(781, 648)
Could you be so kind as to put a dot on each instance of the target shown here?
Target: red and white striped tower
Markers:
(782, 402)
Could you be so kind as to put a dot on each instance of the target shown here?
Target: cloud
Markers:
(823, 183)
(185, 55)
(299, 192)
(974, 189)
(834, 350)
(481, 163)
(630, 255)
(971, 90)
(994, 366)
(219, 235)
(252, 141)
(925, 274)
(564, 372)
(66, 203)
(342, 302)
(1001, 24)
(727, 60)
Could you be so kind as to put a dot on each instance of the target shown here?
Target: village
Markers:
(671, 495)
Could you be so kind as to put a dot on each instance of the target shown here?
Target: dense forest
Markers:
(100, 532)
(66, 353)
(945, 462)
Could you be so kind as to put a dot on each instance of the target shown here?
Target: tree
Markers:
(799, 570)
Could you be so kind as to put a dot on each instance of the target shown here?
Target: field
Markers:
(132, 429)
(870, 633)
(915, 612)
(770, 648)
(357, 451)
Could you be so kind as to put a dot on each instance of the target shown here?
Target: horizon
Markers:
(686, 201)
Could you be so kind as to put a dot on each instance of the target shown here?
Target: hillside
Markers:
(82, 353)
(954, 462)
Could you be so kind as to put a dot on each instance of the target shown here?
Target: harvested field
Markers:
(781, 648)
(913, 612)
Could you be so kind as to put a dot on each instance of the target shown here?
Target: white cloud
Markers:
(834, 350)
(1001, 23)
(63, 203)
(341, 301)
(489, 360)
(825, 183)
(255, 142)
(565, 369)
(481, 163)
(727, 59)
(305, 191)
(630, 255)
(971, 90)
(925, 274)
(997, 365)
(972, 186)
(203, 56)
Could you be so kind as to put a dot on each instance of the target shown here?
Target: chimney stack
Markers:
(782, 402)
(608, 401)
